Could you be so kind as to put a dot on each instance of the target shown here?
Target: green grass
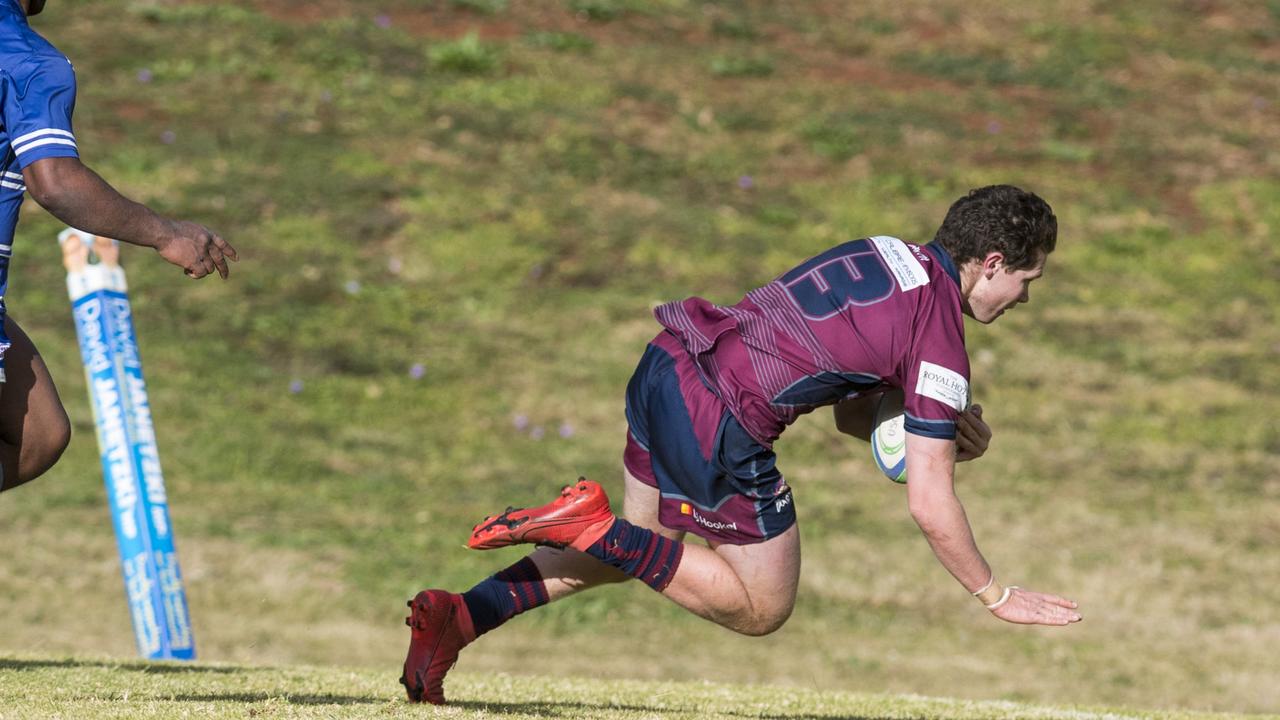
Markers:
(500, 198)
(39, 687)
(467, 56)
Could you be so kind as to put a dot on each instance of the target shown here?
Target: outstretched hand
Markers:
(973, 435)
(196, 249)
(1026, 607)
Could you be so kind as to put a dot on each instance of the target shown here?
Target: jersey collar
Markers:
(944, 259)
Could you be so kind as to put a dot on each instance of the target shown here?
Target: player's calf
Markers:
(580, 518)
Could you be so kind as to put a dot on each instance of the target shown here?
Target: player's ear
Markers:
(992, 263)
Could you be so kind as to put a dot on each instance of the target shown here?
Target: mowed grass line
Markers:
(90, 689)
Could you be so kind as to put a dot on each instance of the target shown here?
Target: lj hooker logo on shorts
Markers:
(687, 509)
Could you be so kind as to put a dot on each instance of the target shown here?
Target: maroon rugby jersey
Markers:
(861, 316)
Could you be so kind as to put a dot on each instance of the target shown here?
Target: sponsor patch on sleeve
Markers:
(943, 384)
(904, 266)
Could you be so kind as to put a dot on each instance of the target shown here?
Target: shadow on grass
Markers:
(254, 697)
(573, 709)
(132, 666)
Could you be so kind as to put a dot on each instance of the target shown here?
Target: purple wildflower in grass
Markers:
(566, 430)
(417, 371)
(168, 137)
(746, 182)
(520, 421)
(295, 387)
(537, 432)
(352, 287)
(994, 127)
(382, 21)
(144, 75)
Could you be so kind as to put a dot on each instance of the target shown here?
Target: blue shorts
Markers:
(714, 479)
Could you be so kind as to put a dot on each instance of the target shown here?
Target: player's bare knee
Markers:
(750, 625)
(57, 435)
(766, 621)
(758, 620)
(60, 435)
(41, 450)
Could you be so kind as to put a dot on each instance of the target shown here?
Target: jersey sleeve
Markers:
(39, 99)
(936, 375)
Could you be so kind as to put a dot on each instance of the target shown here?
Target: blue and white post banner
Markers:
(127, 443)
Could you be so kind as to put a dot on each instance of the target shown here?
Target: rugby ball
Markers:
(889, 436)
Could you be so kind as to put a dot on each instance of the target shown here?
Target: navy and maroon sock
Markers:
(636, 551)
(504, 595)
(641, 553)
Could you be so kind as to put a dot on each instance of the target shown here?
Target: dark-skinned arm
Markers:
(77, 196)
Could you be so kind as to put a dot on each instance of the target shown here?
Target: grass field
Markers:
(97, 689)
(455, 217)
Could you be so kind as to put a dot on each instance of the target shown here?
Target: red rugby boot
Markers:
(576, 519)
(441, 627)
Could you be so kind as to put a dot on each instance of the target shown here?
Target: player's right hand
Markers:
(1025, 607)
(196, 249)
(973, 435)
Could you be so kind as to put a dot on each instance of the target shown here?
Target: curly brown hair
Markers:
(999, 218)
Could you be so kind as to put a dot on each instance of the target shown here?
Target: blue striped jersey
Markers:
(37, 98)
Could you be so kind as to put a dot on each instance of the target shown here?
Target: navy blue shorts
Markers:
(714, 479)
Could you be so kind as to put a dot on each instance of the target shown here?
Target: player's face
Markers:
(999, 289)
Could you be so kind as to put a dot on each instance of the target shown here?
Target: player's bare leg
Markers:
(750, 589)
(747, 588)
(34, 429)
(568, 571)
(443, 624)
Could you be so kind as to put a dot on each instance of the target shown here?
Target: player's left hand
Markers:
(196, 249)
(972, 434)
(1025, 607)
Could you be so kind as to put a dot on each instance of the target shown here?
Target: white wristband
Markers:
(1004, 598)
(986, 587)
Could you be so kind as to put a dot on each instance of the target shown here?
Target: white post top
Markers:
(92, 262)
